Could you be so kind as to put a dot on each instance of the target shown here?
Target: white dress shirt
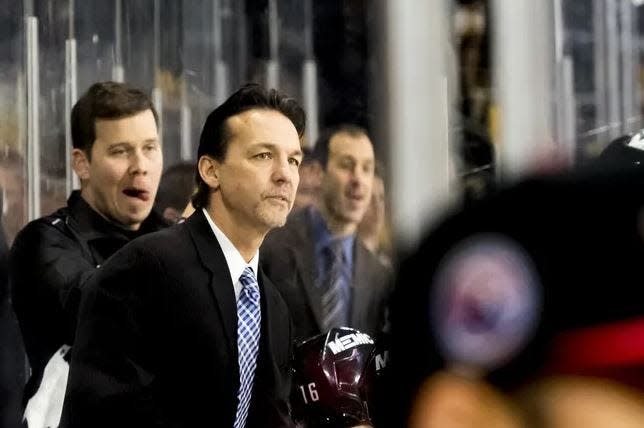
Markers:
(234, 260)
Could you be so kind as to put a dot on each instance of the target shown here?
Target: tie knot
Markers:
(248, 277)
(335, 248)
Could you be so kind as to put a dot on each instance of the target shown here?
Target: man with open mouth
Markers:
(327, 276)
(117, 157)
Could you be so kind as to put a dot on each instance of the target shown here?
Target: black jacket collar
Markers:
(92, 226)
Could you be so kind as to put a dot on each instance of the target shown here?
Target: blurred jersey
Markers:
(529, 281)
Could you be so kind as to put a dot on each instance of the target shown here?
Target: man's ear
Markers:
(80, 164)
(209, 171)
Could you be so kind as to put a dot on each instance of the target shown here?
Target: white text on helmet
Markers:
(349, 341)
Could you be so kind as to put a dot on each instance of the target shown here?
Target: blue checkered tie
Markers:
(249, 317)
(335, 298)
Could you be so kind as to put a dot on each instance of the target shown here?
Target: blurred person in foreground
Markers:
(176, 187)
(373, 230)
(530, 312)
(308, 192)
(117, 156)
(181, 328)
(336, 380)
(327, 277)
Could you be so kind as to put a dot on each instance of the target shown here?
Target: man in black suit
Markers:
(117, 156)
(159, 340)
(302, 257)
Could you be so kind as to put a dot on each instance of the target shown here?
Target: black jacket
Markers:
(157, 340)
(50, 260)
(288, 257)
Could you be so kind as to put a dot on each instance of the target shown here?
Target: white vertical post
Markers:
(118, 72)
(71, 95)
(310, 78)
(599, 57)
(221, 68)
(564, 98)
(272, 65)
(613, 90)
(417, 105)
(157, 92)
(629, 71)
(33, 130)
(185, 123)
(523, 79)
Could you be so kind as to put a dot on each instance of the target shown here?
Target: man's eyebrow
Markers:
(296, 153)
(263, 145)
(272, 146)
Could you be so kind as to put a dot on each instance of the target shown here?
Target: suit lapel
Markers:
(304, 256)
(212, 258)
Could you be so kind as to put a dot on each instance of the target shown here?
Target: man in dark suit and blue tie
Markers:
(327, 277)
(182, 328)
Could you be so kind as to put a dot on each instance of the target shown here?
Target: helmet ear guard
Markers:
(334, 378)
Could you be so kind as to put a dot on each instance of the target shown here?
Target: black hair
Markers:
(321, 149)
(105, 100)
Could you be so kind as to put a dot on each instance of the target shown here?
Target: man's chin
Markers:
(354, 217)
(274, 221)
(133, 221)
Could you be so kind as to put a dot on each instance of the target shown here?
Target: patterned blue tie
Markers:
(249, 317)
(335, 298)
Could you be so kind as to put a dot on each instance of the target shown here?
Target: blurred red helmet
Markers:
(334, 379)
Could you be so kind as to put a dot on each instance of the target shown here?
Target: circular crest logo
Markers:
(486, 301)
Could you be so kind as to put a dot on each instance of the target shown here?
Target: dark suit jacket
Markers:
(51, 258)
(156, 343)
(288, 258)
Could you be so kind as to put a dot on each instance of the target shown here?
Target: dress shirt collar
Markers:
(235, 261)
(323, 237)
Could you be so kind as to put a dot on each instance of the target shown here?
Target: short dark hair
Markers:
(176, 187)
(321, 149)
(215, 134)
(105, 100)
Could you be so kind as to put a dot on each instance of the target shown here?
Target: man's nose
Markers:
(360, 176)
(139, 163)
(283, 170)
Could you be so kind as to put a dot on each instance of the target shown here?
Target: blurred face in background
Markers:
(374, 218)
(347, 182)
(308, 192)
(121, 178)
(14, 200)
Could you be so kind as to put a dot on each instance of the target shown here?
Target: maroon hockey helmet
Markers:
(334, 379)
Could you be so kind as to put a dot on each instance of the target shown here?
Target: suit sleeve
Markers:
(385, 322)
(115, 359)
(46, 271)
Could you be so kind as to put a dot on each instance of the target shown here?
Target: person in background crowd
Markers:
(373, 230)
(181, 328)
(14, 191)
(117, 156)
(527, 317)
(176, 188)
(308, 192)
(327, 276)
(12, 353)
